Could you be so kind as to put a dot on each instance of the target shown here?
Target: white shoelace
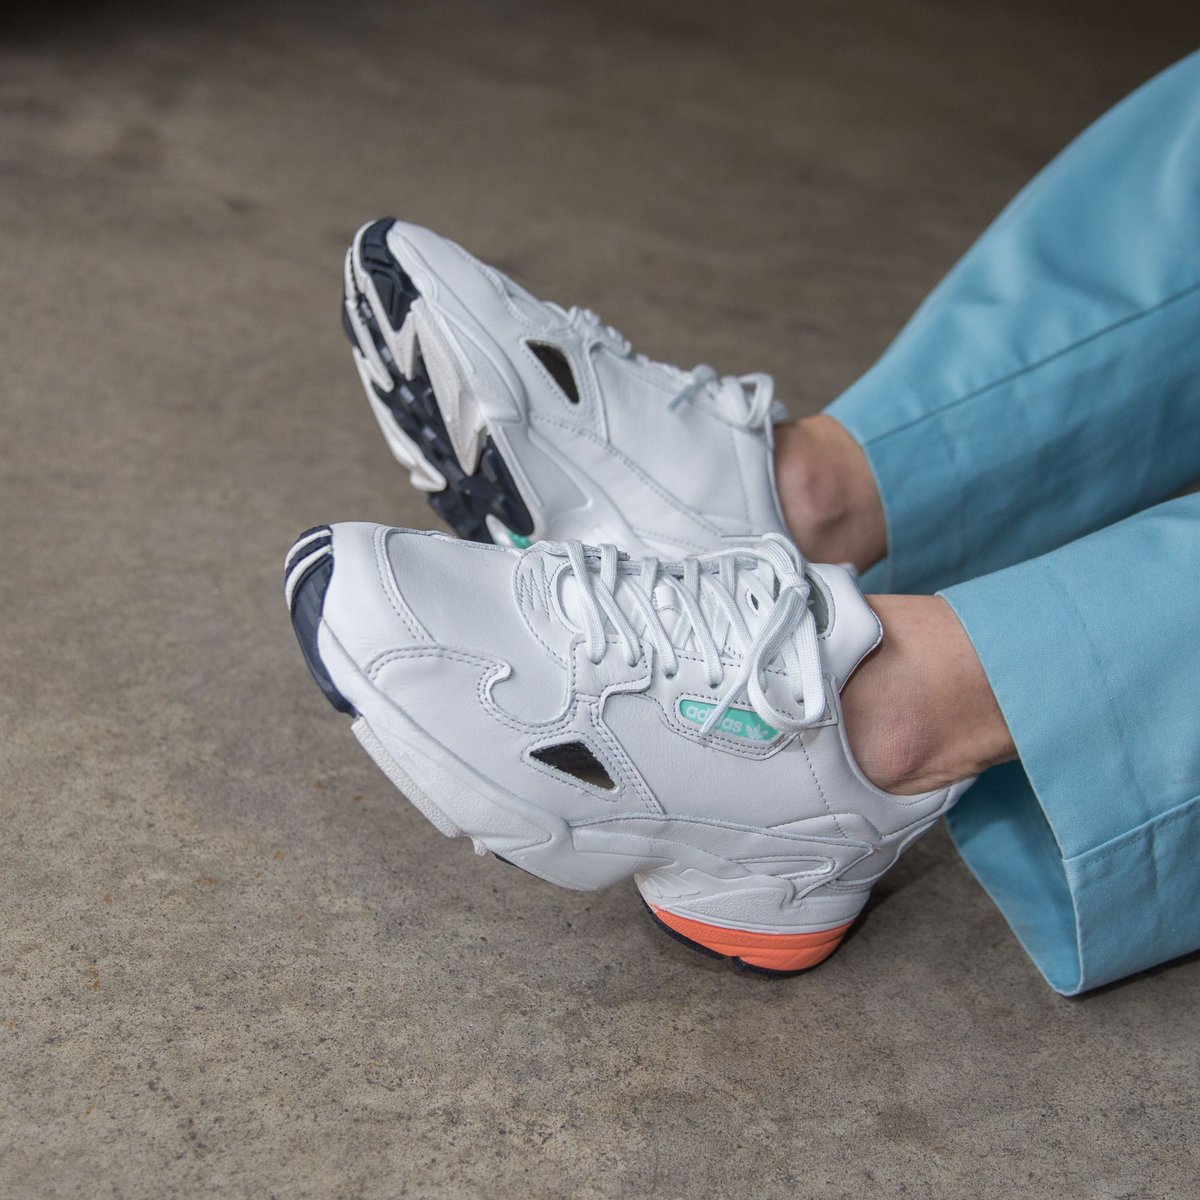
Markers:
(754, 394)
(787, 631)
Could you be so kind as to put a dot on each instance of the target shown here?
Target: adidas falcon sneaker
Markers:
(591, 717)
(523, 420)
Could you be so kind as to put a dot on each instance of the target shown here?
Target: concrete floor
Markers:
(233, 962)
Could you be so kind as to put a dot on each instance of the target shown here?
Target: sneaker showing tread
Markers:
(523, 420)
(407, 408)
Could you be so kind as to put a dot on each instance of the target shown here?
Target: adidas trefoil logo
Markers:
(737, 722)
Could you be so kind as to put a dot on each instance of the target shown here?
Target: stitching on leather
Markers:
(389, 656)
(482, 688)
(492, 276)
(632, 467)
(820, 789)
(649, 799)
(584, 405)
(529, 624)
(737, 462)
(589, 791)
(399, 607)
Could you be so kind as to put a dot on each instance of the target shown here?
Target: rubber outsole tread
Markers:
(709, 952)
(468, 498)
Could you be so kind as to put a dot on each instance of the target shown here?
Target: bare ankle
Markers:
(920, 713)
(828, 493)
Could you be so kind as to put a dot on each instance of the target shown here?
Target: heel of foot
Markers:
(767, 953)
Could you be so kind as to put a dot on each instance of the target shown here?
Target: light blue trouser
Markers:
(1026, 430)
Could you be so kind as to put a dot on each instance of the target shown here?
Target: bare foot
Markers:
(828, 493)
(920, 713)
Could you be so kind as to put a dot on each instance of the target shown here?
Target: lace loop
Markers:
(754, 392)
(787, 632)
(745, 401)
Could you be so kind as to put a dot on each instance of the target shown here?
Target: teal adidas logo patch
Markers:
(737, 722)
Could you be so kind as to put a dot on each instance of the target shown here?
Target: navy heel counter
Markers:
(308, 603)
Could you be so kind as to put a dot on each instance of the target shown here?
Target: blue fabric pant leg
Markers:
(1090, 844)
(1047, 386)
(1047, 390)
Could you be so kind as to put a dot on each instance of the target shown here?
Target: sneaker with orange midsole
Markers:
(592, 717)
(768, 953)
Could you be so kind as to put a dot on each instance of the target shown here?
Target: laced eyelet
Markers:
(781, 597)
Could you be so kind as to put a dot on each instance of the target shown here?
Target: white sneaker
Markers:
(524, 420)
(590, 717)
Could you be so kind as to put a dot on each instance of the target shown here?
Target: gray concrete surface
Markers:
(234, 962)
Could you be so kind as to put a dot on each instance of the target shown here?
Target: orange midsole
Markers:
(775, 951)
